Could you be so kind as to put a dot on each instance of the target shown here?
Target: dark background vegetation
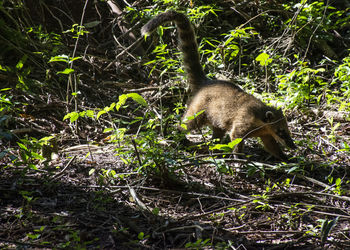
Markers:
(90, 154)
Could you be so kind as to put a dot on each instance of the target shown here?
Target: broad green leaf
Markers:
(3, 68)
(121, 102)
(21, 62)
(73, 116)
(138, 98)
(60, 58)
(90, 113)
(22, 146)
(67, 71)
(100, 113)
(263, 58)
(75, 58)
(91, 171)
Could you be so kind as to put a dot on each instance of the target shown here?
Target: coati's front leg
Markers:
(235, 133)
(272, 147)
(192, 121)
(218, 133)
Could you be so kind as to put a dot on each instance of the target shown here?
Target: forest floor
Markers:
(260, 205)
(85, 193)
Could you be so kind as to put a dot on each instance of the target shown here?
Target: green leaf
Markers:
(141, 235)
(91, 171)
(326, 228)
(121, 102)
(263, 58)
(67, 71)
(73, 116)
(22, 146)
(125, 161)
(33, 236)
(5, 89)
(37, 156)
(184, 126)
(21, 62)
(227, 147)
(155, 211)
(90, 113)
(60, 58)
(107, 130)
(338, 182)
(75, 58)
(100, 113)
(138, 98)
(3, 68)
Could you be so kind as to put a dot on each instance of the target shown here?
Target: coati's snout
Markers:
(287, 140)
(280, 127)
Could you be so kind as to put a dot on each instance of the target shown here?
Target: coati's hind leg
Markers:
(272, 147)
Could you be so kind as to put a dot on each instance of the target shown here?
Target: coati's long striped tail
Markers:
(188, 45)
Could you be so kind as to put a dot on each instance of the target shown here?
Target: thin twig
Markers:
(64, 169)
(136, 152)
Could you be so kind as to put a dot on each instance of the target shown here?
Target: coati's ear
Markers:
(269, 116)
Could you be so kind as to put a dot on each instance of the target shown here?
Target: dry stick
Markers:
(25, 244)
(137, 200)
(123, 52)
(323, 213)
(313, 33)
(64, 169)
(140, 90)
(191, 217)
(181, 192)
(53, 15)
(239, 202)
(267, 232)
(274, 196)
(118, 12)
(137, 152)
(319, 183)
(120, 45)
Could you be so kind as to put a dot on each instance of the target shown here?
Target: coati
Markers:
(227, 108)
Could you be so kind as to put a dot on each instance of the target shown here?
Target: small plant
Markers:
(29, 153)
(37, 233)
(262, 200)
(342, 80)
(227, 148)
(302, 85)
(326, 228)
(337, 185)
(199, 244)
(334, 127)
(310, 16)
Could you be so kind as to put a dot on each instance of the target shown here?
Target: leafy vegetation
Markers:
(91, 155)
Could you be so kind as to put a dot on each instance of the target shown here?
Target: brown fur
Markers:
(227, 108)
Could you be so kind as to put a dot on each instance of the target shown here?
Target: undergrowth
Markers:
(89, 119)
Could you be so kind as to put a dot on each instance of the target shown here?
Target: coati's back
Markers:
(227, 108)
